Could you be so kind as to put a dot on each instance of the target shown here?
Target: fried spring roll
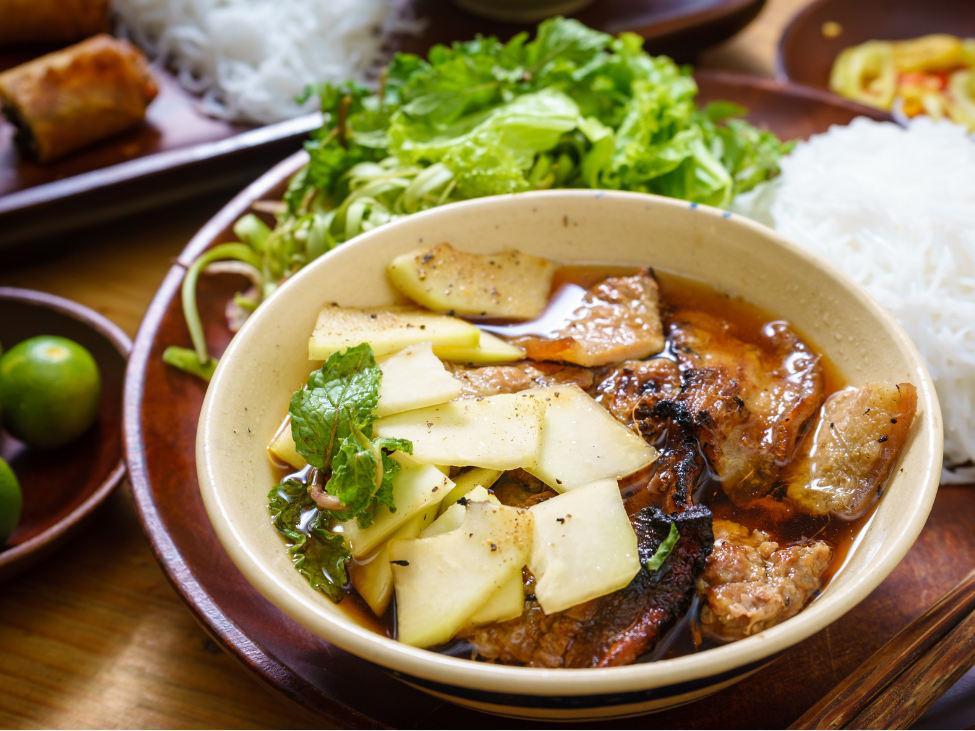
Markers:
(51, 21)
(71, 98)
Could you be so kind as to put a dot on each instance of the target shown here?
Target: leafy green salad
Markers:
(573, 108)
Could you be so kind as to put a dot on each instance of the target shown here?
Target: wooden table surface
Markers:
(96, 637)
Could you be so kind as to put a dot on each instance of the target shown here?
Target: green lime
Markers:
(49, 388)
(10, 501)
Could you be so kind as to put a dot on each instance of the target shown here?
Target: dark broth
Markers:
(746, 322)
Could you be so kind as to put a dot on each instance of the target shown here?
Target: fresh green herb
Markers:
(318, 554)
(342, 395)
(664, 549)
(198, 360)
(187, 360)
(573, 108)
(363, 472)
(331, 422)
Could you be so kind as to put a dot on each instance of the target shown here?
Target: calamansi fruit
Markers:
(50, 389)
(10, 501)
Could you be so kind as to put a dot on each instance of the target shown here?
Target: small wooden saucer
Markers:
(815, 37)
(62, 488)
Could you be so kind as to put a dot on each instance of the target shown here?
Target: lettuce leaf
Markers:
(491, 152)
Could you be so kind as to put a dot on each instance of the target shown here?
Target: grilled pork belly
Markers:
(845, 462)
(619, 389)
(619, 319)
(747, 404)
(477, 381)
(672, 477)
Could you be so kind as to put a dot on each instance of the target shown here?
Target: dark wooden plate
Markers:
(179, 152)
(806, 55)
(162, 408)
(792, 111)
(63, 488)
(677, 28)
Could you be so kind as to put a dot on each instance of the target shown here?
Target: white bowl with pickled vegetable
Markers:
(268, 360)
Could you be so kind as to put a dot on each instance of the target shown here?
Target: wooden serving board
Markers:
(162, 407)
(176, 154)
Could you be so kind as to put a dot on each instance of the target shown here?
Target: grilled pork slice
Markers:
(619, 319)
(846, 461)
(750, 584)
(747, 403)
(619, 389)
(671, 480)
(492, 380)
(618, 628)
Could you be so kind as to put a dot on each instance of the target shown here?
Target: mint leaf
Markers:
(331, 422)
(664, 549)
(342, 394)
(318, 554)
(391, 468)
(362, 475)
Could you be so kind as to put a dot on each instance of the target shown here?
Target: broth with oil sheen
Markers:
(745, 321)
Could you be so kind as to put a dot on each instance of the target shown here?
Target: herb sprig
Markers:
(331, 422)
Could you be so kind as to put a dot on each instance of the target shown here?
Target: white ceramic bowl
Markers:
(267, 361)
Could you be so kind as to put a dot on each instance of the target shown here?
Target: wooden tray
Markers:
(62, 489)
(177, 154)
(161, 412)
(180, 153)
